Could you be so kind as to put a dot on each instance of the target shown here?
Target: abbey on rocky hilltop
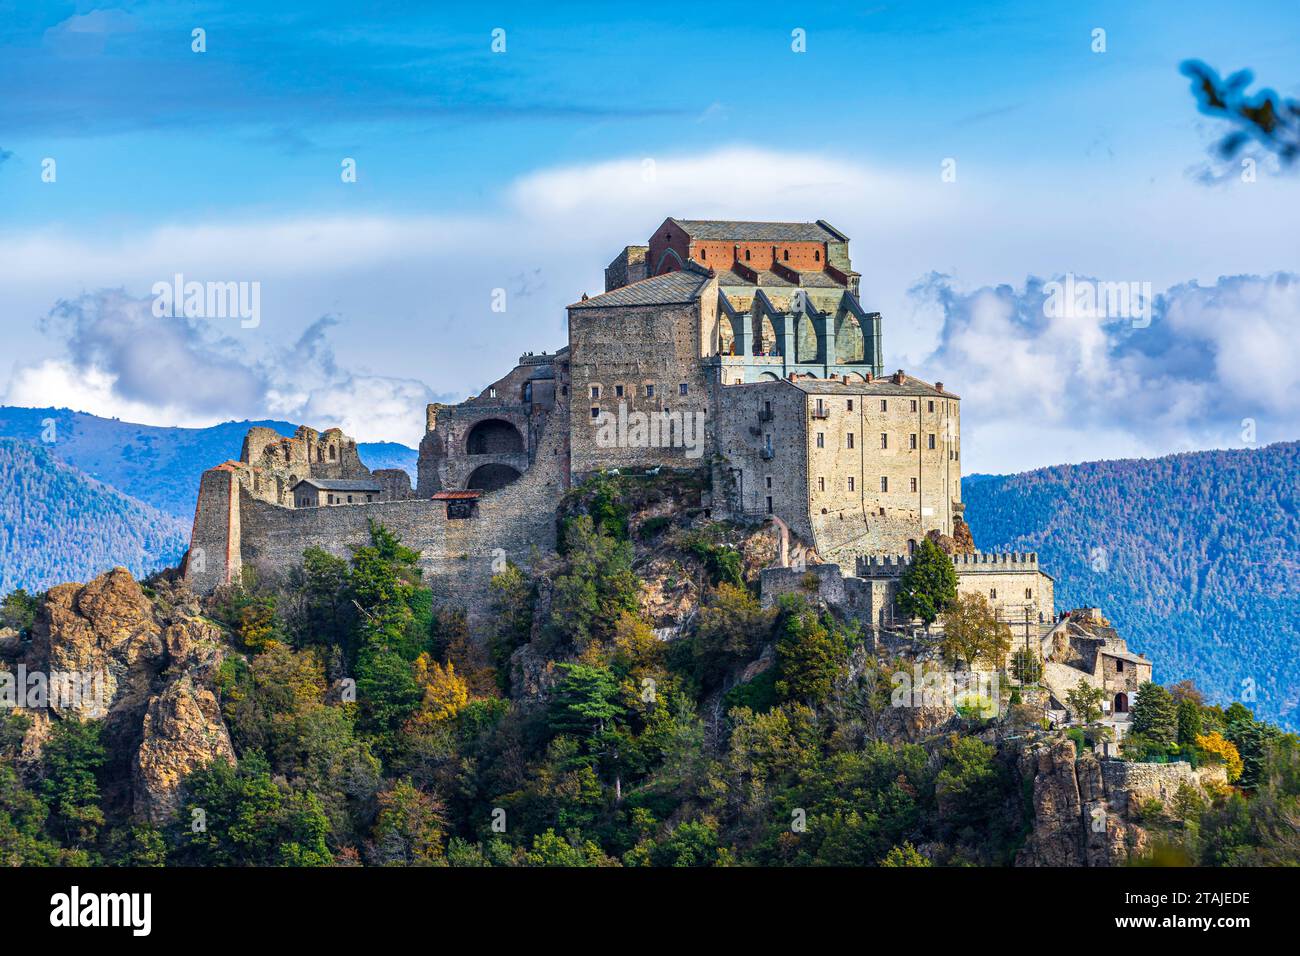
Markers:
(736, 347)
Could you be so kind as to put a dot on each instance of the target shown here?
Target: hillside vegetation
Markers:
(1195, 557)
(57, 524)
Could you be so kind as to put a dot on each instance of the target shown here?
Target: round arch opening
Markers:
(491, 477)
(493, 436)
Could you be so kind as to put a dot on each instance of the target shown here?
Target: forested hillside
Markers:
(159, 466)
(57, 524)
(1195, 557)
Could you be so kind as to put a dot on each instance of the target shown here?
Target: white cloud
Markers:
(412, 295)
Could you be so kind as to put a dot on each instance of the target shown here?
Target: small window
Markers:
(821, 483)
(595, 411)
(850, 440)
(850, 482)
(649, 391)
(931, 440)
(884, 404)
(1119, 666)
(821, 439)
(618, 391)
(332, 452)
(349, 499)
(683, 388)
(595, 391)
(370, 498)
(746, 255)
(931, 406)
(993, 593)
(704, 253)
(492, 392)
(913, 481)
(817, 255)
(884, 440)
(913, 404)
(769, 504)
(1029, 595)
(884, 484)
(850, 404)
(911, 442)
(785, 255)
(564, 390)
(769, 481)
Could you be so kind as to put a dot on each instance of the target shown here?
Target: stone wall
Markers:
(1130, 784)
(631, 348)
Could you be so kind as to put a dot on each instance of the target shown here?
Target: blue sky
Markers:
(524, 170)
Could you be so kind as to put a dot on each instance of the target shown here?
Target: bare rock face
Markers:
(1057, 834)
(183, 731)
(532, 677)
(104, 631)
(963, 540)
(1077, 820)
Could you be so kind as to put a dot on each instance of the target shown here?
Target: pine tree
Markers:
(1155, 715)
(929, 585)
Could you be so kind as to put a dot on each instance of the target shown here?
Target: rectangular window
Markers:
(884, 405)
(931, 406)
(931, 440)
(595, 391)
(884, 483)
(993, 593)
(769, 481)
(595, 411)
(850, 482)
(682, 389)
(618, 391)
(913, 404)
(850, 404)
(850, 440)
(1029, 594)
(821, 483)
(821, 439)
(884, 440)
(769, 504)
(911, 442)
(1119, 666)
(913, 480)
(649, 391)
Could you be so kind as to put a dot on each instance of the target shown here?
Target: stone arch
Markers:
(806, 342)
(850, 343)
(726, 336)
(769, 377)
(670, 261)
(493, 436)
(491, 477)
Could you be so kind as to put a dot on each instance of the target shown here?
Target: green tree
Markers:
(1155, 715)
(593, 586)
(1084, 702)
(72, 760)
(809, 652)
(732, 628)
(18, 610)
(971, 631)
(1190, 724)
(905, 855)
(928, 586)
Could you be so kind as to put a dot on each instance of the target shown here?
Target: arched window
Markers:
(493, 436)
(746, 255)
(785, 255)
(817, 255)
(333, 453)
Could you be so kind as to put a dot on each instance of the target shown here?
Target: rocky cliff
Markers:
(140, 665)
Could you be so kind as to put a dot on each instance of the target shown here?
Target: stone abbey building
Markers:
(741, 347)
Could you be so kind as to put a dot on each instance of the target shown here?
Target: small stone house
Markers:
(323, 492)
(1084, 646)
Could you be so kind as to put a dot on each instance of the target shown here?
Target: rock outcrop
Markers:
(183, 731)
(141, 666)
(1078, 820)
